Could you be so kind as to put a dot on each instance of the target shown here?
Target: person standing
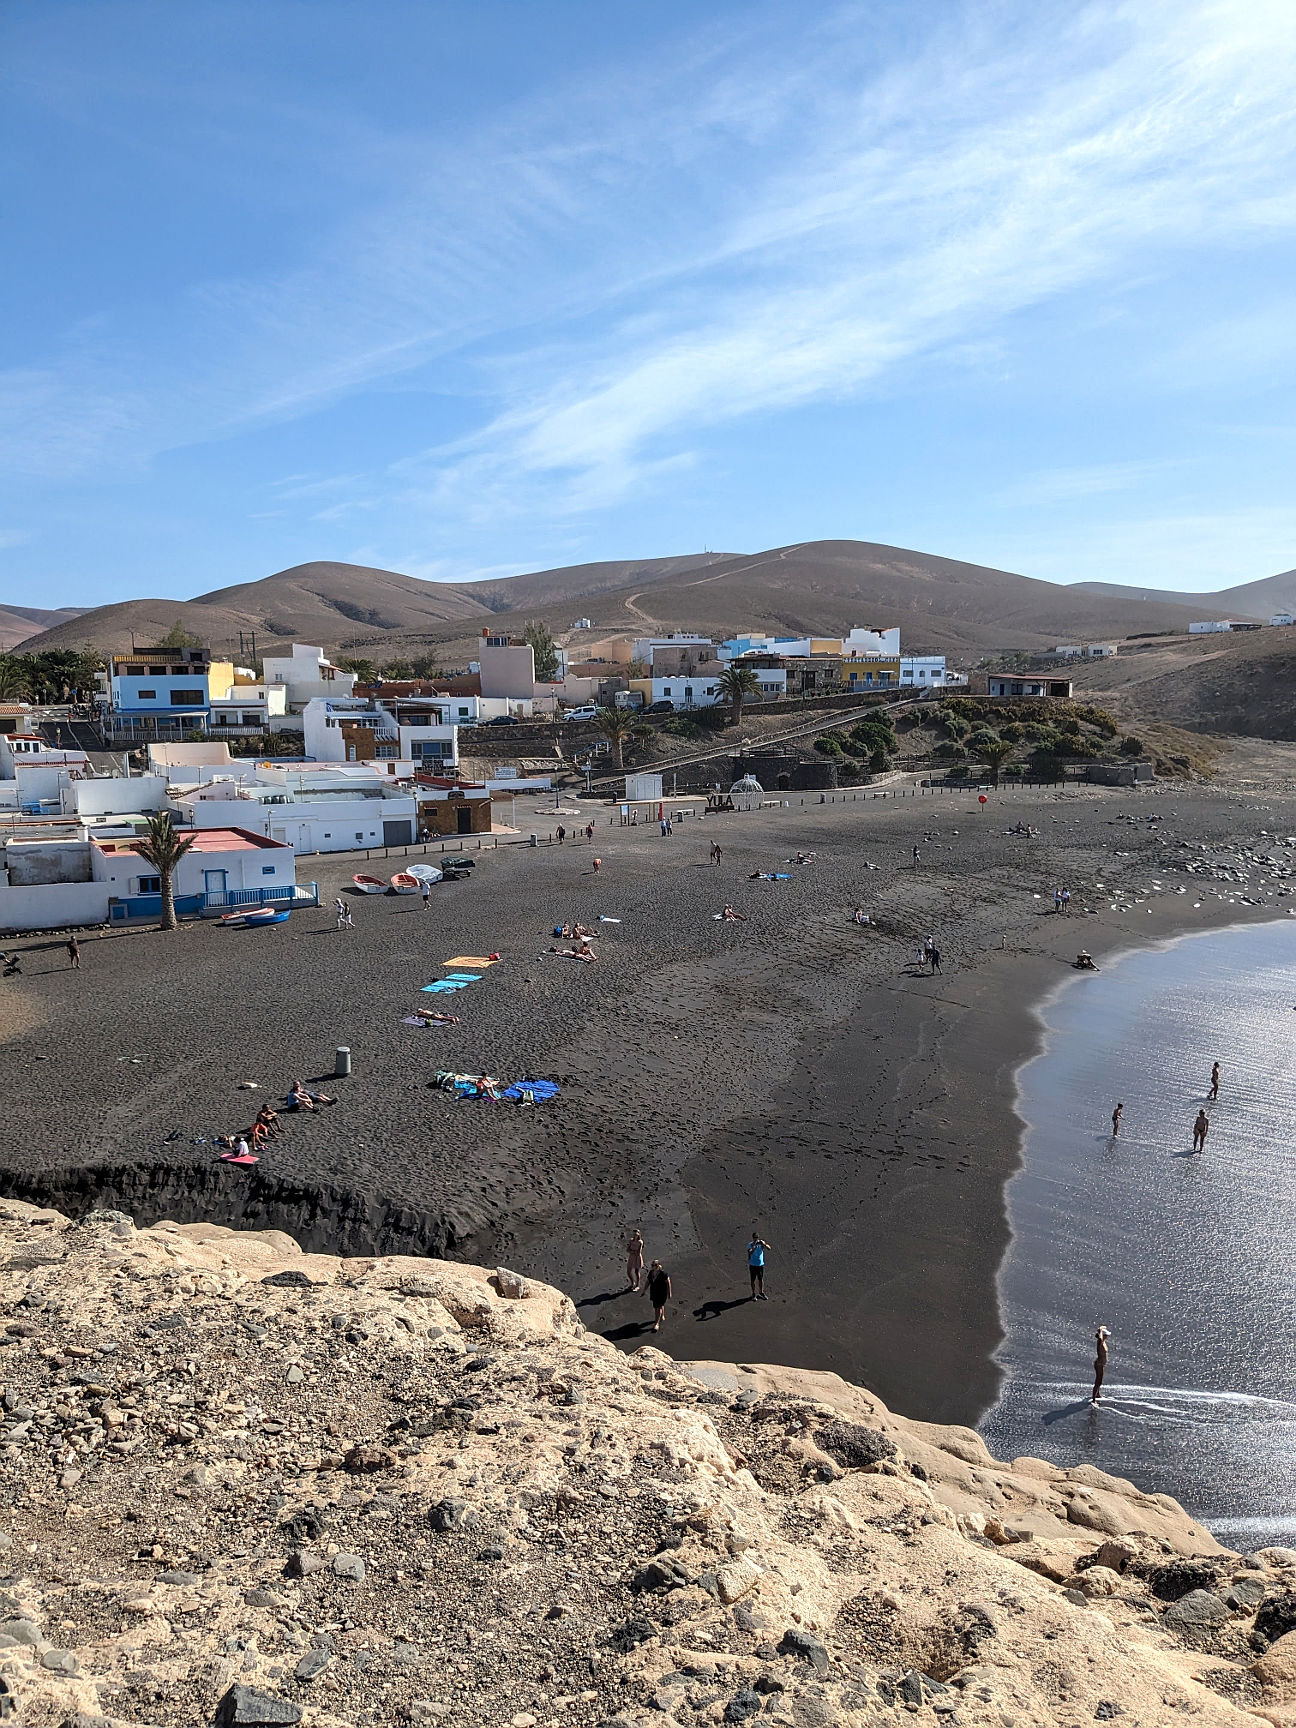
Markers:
(1066, 900)
(1117, 1113)
(589, 833)
(425, 889)
(635, 1261)
(933, 955)
(74, 952)
(659, 1292)
(757, 1249)
(561, 833)
(598, 865)
(1215, 1080)
(917, 857)
(1201, 1128)
(1057, 899)
(1100, 1362)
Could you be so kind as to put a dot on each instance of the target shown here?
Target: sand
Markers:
(793, 1072)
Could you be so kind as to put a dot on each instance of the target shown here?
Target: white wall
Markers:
(107, 797)
(307, 825)
(57, 906)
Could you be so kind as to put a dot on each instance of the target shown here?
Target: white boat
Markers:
(425, 872)
(405, 883)
(370, 884)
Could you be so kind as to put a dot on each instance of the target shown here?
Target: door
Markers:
(397, 834)
(464, 818)
(214, 882)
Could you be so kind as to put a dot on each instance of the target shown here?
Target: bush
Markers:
(982, 735)
(879, 762)
(959, 771)
(1014, 732)
(827, 745)
(954, 752)
(1131, 746)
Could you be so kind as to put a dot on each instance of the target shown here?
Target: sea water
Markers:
(1190, 1259)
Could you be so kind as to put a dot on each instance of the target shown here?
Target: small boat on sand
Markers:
(370, 884)
(251, 916)
(404, 882)
(425, 872)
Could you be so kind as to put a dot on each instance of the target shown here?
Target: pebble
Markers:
(349, 1566)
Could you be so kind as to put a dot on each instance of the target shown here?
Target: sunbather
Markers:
(300, 1099)
(732, 917)
(437, 1019)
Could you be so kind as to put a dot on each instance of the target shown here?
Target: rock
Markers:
(744, 1705)
(245, 1707)
(657, 1575)
(303, 1562)
(1178, 1577)
(1245, 1594)
(853, 1446)
(736, 1581)
(805, 1647)
(60, 1661)
(1275, 1619)
(1116, 1556)
(289, 1280)
(1198, 1611)
(1107, 1711)
(918, 1688)
(21, 1631)
(630, 1634)
(262, 1599)
(349, 1566)
(1077, 1598)
(511, 1285)
(448, 1514)
(185, 1578)
(364, 1460)
(314, 1662)
(749, 1619)
(1277, 1667)
(1098, 1581)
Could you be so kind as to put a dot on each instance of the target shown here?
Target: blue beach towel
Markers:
(445, 984)
(540, 1090)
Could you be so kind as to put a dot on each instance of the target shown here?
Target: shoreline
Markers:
(794, 1073)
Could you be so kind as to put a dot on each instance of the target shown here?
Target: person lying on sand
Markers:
(574, 954)
(1083, 962)
(487, 1088)
(437, 1019)
(732, 917)
(860, 916)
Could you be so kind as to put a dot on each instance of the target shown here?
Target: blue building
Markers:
(160, 691)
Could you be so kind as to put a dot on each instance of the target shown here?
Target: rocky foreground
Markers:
(248, 1485)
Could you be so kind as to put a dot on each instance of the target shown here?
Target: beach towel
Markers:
(538, 1091)
(443, 985)
(604, 919)
(482, 960)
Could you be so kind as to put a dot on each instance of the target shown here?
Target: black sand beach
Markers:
(794, 1072)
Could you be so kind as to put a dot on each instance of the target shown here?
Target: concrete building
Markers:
(222, 862)
(163, 689)
(303, 674)
(311, 811)
(641, 649)
(877, 672)
(923, 671)
(36, 773)
(359, 729)
(248, 707)
(506, 667)
(860, 643)
(448, 806)
(1209, 627)
(1058, 688)
(1081, 651)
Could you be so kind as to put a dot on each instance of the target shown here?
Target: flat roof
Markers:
(209, 840)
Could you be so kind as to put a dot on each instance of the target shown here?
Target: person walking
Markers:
(1215, 1080)
(659, 1292)
(757, 1249)
(340, 907)
(719, 854)
(561, 833)
(589, 833)
(634, 1261)
(1201, 1128)
(933, 955)
(917, 857)
(74, 952)
(1117, 1113)
(1100, 1362)
(598, 865)
(1066, 900)
(425, 889)
(1057, 899)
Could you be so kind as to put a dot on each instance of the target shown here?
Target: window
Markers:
(666, 689)
(188, 699)
(150, 884)
(267, 869)
(385, 752)
(157, 672)
(146, 695)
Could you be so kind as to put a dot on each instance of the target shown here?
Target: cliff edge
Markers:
(248, 1485)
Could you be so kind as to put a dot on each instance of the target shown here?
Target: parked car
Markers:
(586, 713)
(503, 720)
(660, 708)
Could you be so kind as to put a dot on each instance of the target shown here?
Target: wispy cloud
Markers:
(742, 226)
(1058, 485)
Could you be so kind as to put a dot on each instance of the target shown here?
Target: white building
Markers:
(860, 643)
(1082, 651)
(312, 812)
(303, 675)
(702, 691)
(1209, 627)
(36, 771)
(362, 729)
(248, 708)
(925, 671)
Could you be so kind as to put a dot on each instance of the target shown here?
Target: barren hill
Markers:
(17, 622)
(1243, 684)
(939, 603)
(1247, 600)
(251, 1485)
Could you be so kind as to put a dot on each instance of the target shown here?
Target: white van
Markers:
(586, 713)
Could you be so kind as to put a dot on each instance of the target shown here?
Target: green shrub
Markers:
(959, 771)
(827, 745)
(954, 752)
(1131, 746)
(982, 735)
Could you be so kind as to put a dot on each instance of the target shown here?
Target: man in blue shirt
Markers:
(756, 1251)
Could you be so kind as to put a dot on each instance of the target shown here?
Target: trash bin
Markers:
(342, 1060)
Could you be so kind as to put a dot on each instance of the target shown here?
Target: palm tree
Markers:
(735, 684)
(14, 685)
(163, 848)
(994, 752)
(616, 725)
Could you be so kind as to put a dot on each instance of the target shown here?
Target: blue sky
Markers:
(467, 289)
